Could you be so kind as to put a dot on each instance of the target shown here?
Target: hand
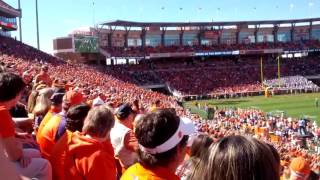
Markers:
(25, 161)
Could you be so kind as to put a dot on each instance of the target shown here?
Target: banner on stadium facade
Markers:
(251, 52)
(175, 54)
(262, 51)
(272, 51)
(302, 51)
(217, 53)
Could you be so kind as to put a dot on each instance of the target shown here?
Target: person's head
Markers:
(239, 158)
(57, 97)
(135, 106)
(42, 105)
(75, 117)
(200, 145)
(99, 122)
(157, 103)
(11, 87)
(71, 98)
(162, 138)
(27, 77)
(43, 101)
(299, 169)
(125, 115)
(44, 69)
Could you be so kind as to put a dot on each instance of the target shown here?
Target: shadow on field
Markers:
(229, 102)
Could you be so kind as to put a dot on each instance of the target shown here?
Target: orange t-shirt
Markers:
(45, 78)
(137, 171)
(58, 156)
(7, 127)
(88, 158)
(46, 138)
(69, 87)
(52, 111)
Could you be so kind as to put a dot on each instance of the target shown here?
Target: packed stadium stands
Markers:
(95, 81)
(60, 120)
(16, 49)
(291, 82)
(215, 75)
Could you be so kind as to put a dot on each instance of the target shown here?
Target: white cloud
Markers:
(310, 4)
(291, 6)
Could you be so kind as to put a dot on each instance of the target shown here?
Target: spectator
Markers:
(75, 118)
(43, 76)
(199, 148)
(239, 157)
(42, 106)
(56, 107)
(55, 127)
(302, 127)
(28, 161)
(90, 154)
(299, 168)
(160, 151)
(122, 137)
(155, 106)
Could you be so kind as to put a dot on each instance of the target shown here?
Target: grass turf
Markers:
(300, 105)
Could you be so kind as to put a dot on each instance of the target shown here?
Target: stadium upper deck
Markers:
(126, 34)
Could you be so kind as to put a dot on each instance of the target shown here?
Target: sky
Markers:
(58, 18)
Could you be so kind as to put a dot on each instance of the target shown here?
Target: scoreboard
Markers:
(86, 44)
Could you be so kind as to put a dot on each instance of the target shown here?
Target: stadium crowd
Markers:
(292, 82)
(229, 76)
(88, 124)
(214, 75)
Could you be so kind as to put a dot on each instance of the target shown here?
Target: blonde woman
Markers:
(43, 104)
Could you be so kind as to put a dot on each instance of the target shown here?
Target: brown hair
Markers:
(42, 105)
(99, 122)
(201, 145)
(239, 158)
(32, 100)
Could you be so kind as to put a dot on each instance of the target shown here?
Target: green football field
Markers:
(300, 105)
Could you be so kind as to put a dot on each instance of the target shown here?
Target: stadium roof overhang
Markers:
(122, 23)
(8, 11)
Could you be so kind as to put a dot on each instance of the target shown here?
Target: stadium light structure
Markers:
(37, 22)
(20, 27)
(93, 13)
(279, 76)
